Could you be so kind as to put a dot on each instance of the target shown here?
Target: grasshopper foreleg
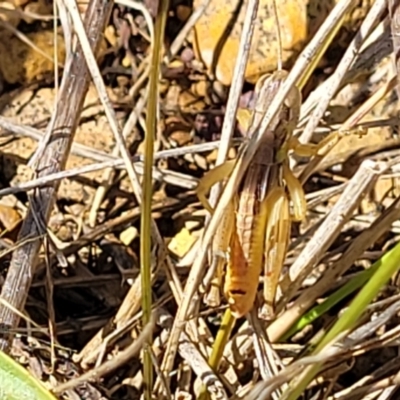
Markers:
(212, 177)
(220, 245)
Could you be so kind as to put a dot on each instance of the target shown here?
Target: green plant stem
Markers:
(224, 332)
(145, 226)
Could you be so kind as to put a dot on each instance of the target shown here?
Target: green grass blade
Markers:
(350, 287)
(17, 383)
(145, 224)
(389, 264)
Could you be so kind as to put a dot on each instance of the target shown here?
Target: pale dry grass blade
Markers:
(66, 25)
(268, 360)
(264, 390)
(348, 58)
(189, 352)
(228, 125)
(394, 12)
(26, 14)
(171, 177)
(100, 156)
(106, 179)
(376, 47)
(316, 247)
(352, 253)
(312, 53)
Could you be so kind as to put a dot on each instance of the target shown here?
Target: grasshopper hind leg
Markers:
(277, 232)
(277, 236)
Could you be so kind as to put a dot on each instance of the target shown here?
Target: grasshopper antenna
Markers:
(278, 35)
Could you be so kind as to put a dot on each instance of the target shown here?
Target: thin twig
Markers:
(234, 97)
(111, 365)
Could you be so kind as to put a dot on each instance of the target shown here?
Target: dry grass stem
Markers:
(61, 130)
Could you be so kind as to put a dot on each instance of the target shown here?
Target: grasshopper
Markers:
(255, 229)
